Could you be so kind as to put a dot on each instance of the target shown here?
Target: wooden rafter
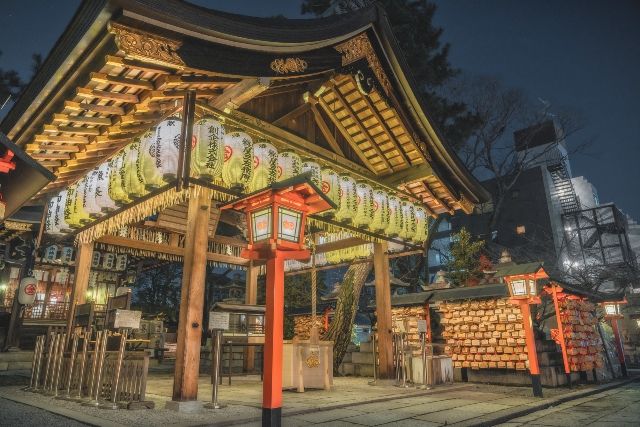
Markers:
(322, 125)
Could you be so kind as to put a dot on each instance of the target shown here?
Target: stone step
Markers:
(362, 358)
(366, 347)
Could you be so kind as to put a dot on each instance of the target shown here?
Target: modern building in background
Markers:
(548, 215)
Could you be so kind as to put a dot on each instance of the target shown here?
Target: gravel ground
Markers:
(17, 414)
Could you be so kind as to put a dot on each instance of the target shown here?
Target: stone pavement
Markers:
(618, 407)
(351, 402)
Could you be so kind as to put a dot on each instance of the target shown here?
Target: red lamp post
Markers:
(613, 312)
(523, 291)
(275, 222)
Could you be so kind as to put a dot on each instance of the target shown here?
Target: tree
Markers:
(490, 150)
(427, 56)
(465, 263)
(297, 294)
(157, 290)
(10, 85)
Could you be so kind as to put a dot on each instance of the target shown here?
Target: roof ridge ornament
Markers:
(360, 47)
(288, 65)
(149, 47)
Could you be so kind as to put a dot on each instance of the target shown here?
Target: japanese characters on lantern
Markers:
(207, 156)
(237, 169)
(265, 166)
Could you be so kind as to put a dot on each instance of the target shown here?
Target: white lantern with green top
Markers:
(408, 220)
(289, 164)
(237, 169)
(421, 224)
(395, 217)
(380, 219)
(348, 200)
(207, 156)
(330, 187)
(364, 206)
(314, 170)
(265, 166)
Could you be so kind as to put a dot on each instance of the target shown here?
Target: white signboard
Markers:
(218, 320)
(127, 319)
(422, 326)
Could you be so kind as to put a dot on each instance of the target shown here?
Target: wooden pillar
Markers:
(185, 382)
(383, 309)
(84, 256)
(251, 297)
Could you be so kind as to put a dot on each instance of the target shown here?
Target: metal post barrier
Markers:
(36, 384)
(51, 364)
(58, 362)
(47, 372)
(116, 373)
(216, 361)
(401, 375)
(426, 381)
(34, 364)
(86, 336)
(72, 362)
(230, 347)
(374, 351)
(101, 346)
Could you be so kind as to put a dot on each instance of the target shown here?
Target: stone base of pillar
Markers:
(189, 407)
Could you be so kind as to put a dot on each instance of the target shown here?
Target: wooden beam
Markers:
(340, 244)
(138, 65)
(185, 383)
(84, 254)
(298, 111)
(107, 109)
(179, 94)
(241, 92)
(139, 117)
(62, 139)
(83, 120)
(107, 95)
(358, 123)
(347, 136)
(383, 310)
(122, 81)
(72, 130)
(65, 148)
(386, 128)
(409, 175)
(326, 132)
(50, 156)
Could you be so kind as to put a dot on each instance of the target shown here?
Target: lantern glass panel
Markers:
(611, 309)
(518, 288)
(289, 224)
(261, 224)
(532, 287)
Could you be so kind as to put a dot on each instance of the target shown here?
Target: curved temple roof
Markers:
(338, 87)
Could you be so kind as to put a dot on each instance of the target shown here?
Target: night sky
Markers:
(580, 54)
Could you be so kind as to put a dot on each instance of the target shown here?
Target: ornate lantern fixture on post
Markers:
(613, 312)
(521, 282)
(275, 222)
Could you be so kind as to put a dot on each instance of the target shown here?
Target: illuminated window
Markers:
(289, 228)
(520, 229)
(518, 287)
(261, 224)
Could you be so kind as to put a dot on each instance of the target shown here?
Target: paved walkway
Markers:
(351, 402)
(17, 414)
(618, 407)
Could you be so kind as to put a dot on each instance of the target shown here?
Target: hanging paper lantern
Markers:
(166, 148)
(265, 166)
(314, 169)
(348, 199)
(95, 259)
(421, 225)
(148, 152)
(133, 184)
(55, 208)
(117, 191)
(207, 155)
(330, 186)
(364, 207)
(408, 220)
(51, 253)
(380, 219)
(237, 169)
(289, 165)
(74, 214)
(121, 262)
(90, 202)
(395, 217)
(109, 261)
(67, 254)
(102, 198)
